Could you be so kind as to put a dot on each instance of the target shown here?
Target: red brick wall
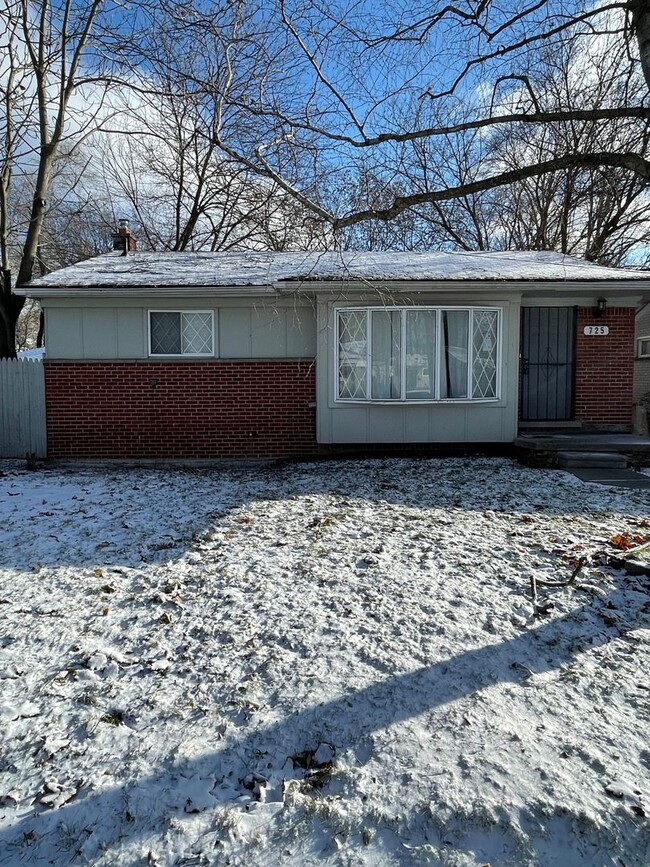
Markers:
(605, 368)
(190, 409)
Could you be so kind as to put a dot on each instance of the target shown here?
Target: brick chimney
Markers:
(123, 240)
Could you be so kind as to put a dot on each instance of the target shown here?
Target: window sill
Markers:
(454, 401)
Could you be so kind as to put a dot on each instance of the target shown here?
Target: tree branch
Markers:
(631, 161)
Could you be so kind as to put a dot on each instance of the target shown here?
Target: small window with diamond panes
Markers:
(186, 332)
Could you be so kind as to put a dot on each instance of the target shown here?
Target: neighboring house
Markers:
(181, 355)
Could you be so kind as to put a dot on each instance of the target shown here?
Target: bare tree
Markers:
(347, 72)
(164, 162)
(182, 193)
(600, 213)
(28, 326)
(52, 89)
(443, 121)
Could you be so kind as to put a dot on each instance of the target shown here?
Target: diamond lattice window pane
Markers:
(353, 352)
(165, 333)
(197, 333)
(484, 368)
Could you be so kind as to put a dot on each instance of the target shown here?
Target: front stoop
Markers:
(602, 468)
(602, 460)
(541, 449)
(599, 458)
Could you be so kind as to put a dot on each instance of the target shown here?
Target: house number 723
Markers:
(596, 330)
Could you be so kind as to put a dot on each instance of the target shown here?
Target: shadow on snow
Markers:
(138, 526)
(345, 722)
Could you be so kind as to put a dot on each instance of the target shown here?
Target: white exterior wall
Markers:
(120, 329)
(272, 327)
(453, 422)
(641, 365)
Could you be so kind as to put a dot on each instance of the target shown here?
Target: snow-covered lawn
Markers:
(333, 663)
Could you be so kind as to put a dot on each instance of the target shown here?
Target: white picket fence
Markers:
(22, 408)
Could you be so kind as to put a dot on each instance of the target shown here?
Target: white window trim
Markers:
(346, 401)
(180, 354)
(639, 341)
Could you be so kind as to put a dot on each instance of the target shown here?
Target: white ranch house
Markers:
(254, 354)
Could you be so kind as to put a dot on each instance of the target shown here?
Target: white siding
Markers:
(119, 330)
(64, 332)
(235, 339)
(99, 333)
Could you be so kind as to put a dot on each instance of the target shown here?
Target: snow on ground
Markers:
(32, 354)
(331, 663)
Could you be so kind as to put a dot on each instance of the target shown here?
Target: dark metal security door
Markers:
(547, 363)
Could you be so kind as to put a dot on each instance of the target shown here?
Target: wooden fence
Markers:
(22, 408)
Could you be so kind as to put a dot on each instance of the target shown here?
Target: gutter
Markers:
(324, 287)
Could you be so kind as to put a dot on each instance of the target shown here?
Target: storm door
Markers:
(547, 363)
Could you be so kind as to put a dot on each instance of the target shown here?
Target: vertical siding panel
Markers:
(22, 408)
(37, 408)
(4, 378)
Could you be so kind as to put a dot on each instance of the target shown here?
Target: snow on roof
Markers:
(262, 269)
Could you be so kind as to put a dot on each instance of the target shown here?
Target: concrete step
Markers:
(538, 450)
(615, 478)
(558, 442)
(609, 460)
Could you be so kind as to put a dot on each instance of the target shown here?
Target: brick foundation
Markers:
(189, 409)
(605, 368)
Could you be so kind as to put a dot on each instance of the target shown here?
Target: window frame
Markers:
(639, 342)
(404, 309)
(181, 354)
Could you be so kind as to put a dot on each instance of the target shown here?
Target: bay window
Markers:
(417, 353)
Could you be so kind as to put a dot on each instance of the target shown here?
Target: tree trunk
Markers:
(41, 330)
(641, 23)
(28, 258)
(36, 217)
(10, 307)
(10, 304)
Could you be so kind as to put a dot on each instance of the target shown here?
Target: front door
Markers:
(547, 363)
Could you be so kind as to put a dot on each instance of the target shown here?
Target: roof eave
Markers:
(138, 291)
(585, 286)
